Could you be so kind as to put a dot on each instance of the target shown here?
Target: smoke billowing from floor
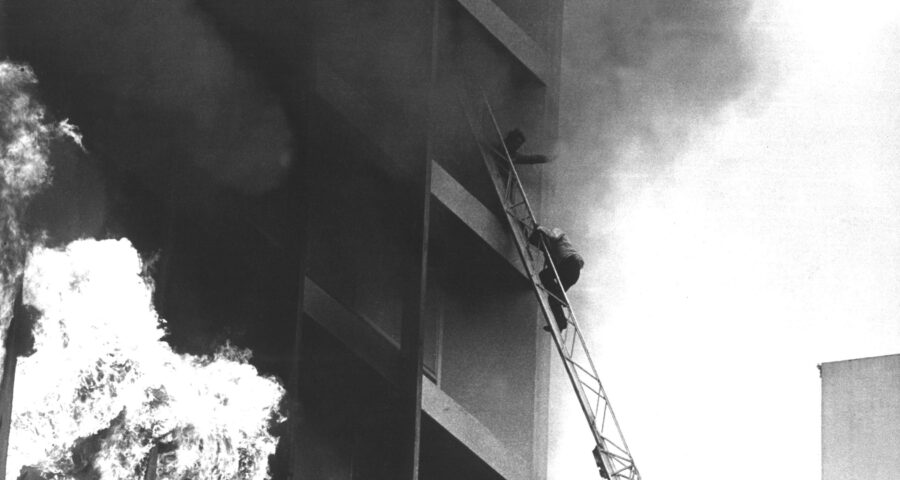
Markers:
(640, 77)
(102, 389)
(158, 91)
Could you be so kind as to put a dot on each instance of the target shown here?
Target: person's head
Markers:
(514, 140)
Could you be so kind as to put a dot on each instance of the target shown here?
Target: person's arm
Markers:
(549, 234)
(555, 234)
(536, 234)
(530, 159)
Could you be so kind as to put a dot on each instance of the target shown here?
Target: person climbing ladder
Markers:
(568, 264)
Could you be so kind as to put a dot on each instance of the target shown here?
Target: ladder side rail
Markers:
(544, 248)
(573, 365)
(593, 372)
(583, 344)
(514, 174)
(508, 157)
(521, 245)
(611, 412)
(574, 378)
(578, 338)
(516, 225)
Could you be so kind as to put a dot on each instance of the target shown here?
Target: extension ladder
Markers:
(611, 453)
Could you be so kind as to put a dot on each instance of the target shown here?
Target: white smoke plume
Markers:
(102, 389)
(642, 80)
(25, 137)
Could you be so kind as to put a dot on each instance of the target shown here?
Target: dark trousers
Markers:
(569, 269)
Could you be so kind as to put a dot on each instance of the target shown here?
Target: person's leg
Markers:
(569, 270)
(549, 282)
(559, 314)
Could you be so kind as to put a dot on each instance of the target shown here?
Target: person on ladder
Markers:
(568, 264)
(514, 141)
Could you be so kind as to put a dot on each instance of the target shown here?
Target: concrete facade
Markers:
(385, 223)
(861, 419)
(485, 384)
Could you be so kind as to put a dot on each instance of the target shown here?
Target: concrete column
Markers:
(304, 113)
(412, 333)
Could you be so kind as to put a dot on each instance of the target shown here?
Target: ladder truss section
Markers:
(611, 453)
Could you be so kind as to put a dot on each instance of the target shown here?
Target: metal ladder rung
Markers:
(623, 469)
(586, 371)
(616, 455)
(551, 295)
(521, 220)
(595, 392)
(515, 205)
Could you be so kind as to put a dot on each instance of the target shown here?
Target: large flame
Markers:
(103, 396)
(103, 389)
(25, 137)
(23, 169)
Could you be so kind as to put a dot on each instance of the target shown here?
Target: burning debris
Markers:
(102, 390)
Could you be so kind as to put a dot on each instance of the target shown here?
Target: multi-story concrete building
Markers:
(377, 278)
(861, 419)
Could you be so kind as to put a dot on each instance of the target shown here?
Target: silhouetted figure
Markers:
(514, 141)
(568, 264)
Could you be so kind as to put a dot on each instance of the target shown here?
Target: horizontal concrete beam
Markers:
(360, 335)
(472, 433)
(475, 215)
(507, 32)
(381, 352)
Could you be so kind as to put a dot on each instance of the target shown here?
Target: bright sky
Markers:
(771, 245)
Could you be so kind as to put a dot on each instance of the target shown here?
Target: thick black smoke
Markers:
(158, 93)
(646, 73)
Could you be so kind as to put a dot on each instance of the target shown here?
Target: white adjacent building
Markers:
(861, 419)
